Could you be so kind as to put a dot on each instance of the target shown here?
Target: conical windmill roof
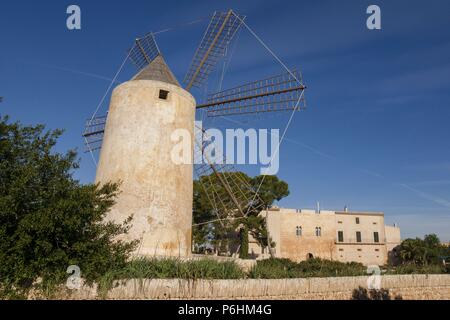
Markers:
(157, 70)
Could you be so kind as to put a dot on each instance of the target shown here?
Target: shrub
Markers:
(48, 220)
(381, 294)
(411, 268)
(243, 250)
(422, 252)
(168, 268)
(285, 268)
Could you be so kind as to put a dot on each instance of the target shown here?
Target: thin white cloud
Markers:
(430, 183)
(435, 199)
(79, 72)
(435, 167)
(418, 225)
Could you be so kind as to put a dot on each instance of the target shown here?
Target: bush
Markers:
(48, 220)
(411, 268)
(169, 268)
(381, 294)
(243, 249)
(428, 251)
(285, 268)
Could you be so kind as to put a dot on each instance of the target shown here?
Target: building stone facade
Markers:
(334, 235)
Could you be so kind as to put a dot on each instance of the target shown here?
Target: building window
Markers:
(298, 231)
(376, 237)
(340, 222)
(358, 236)
(341, 236)
(318, 231)
(357, 220)
(163, 94)
(341, 249)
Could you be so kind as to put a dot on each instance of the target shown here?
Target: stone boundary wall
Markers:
(406, 286)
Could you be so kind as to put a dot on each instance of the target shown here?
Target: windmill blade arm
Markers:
(249, 97)
(233, 192)
(93, 133)
(144, 51)
(93, 144)
(95, 126)
(221, 30)
(278, 93)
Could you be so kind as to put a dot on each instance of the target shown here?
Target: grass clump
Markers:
(411, 268)
(170, 268)
(285, 268)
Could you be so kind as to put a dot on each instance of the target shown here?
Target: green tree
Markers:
(422, 252)
(270, 189)
(48, 220)
(220, 233)
(243, 250)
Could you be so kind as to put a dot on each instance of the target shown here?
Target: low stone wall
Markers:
(244, 264)
(406, 286)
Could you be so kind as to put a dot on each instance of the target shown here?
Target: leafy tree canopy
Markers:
(422, 252)
(48, 220)
(208, 207)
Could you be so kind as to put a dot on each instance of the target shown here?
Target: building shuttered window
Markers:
(341, 236)
(358, 236)
(376, 237)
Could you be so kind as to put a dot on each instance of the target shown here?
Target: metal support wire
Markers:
(238, 196)
(101, 102)
(300, 99)
(293, 112)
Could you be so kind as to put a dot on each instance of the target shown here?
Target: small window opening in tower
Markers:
(163, 94)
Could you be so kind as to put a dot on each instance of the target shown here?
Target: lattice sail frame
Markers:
(282, 92)
(221, 30)
(144, 51)
(241, 195)
(93, 133)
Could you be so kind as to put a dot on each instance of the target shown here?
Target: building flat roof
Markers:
(355, 213)
(368, 213)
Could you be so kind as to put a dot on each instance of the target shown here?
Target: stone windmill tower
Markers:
(136, 151)
(135, 146)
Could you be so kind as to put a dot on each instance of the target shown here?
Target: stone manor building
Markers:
(335, 235)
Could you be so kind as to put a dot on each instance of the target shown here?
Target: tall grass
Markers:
(169, 268)
(274, 268)
(285, 268)
(411, 268)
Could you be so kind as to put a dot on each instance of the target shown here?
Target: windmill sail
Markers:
(221, 30)
(227, 190)
(278, 93)
(93, 133)
(144, 51)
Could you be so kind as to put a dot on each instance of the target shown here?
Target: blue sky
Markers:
(375, 135)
